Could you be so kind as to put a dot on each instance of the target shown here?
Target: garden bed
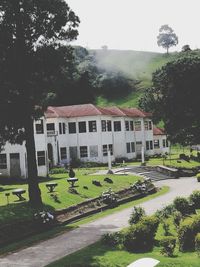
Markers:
(18, 229)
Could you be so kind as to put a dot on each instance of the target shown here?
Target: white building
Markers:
(85, 132)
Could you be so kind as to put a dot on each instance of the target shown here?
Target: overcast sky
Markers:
(134, 24)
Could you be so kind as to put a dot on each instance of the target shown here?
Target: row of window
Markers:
(106, 126)
(150, 145)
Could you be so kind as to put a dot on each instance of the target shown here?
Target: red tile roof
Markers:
(92, 110)
(158, 131)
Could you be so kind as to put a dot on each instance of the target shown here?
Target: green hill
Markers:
(137, 65)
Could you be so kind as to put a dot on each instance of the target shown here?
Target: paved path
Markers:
(53, 249)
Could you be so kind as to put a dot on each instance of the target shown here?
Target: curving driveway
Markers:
(53, 249)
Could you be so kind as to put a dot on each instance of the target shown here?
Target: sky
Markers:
(134, 24)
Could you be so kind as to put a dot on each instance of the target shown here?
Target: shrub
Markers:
(165, 212)
(136, 215)
(195, 199)
(108, 180)
(197, 244)
(113, 239)
(141, 236)
(187, 232)
(96, 182)
(198, 177)
(57, 170)
(184, 157)
(182, 204)
(168, 244)
(166, 228)
(109, 197)
(177, 217)
(71, 173)
(85, 187)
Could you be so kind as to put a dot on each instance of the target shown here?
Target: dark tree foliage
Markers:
(167, 38)
(31, 59)
(186, 48)
(175, 98)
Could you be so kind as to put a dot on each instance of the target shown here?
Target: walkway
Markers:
(53, 249)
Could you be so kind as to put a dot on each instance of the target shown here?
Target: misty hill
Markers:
(136, 65)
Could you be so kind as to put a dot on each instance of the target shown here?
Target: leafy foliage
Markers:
(166, 38)
(168, 244)
(136, 215)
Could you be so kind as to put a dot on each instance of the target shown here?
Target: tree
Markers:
(31, 36)
(166, 38)
(174, 98)
(186, 48)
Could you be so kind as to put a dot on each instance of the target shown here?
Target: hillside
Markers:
(136, 65)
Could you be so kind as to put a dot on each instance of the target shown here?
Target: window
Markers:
(156, 144)
(167, 143)
(106, 148)
(149, 145)
(92, 126)
(131, 126)
(61, 128)
(63, 153)
(93, 151)
(164, 142)
(83, 152)
(41, 158)
(148, 125)
(72, 127)
(50, 128)
(127, 125)
(138, 125)
(82, 127)
(106, 126)
(117, 126)
(130, 147)
(39, 127)
(109, 126)
(3, 161)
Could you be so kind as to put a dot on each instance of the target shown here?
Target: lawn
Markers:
(21, 210)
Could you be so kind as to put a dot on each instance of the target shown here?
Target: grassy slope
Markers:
(135, 64)
(21, 210)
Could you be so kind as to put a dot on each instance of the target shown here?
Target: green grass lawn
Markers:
(21, 210)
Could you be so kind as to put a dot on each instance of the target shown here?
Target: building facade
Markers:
(85, 132)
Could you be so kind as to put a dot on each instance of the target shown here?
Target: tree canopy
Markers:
(175, 97)
(32, 33)
(167, 38)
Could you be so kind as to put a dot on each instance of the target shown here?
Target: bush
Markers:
(108, 180)
(109, 197)
(141, 236)
(195, 199)
(198, 177)
(165, 212)
(57, 170)
(136, 215)
(168, 244)
(177, 217)
(197, 244)
(113, 239)
(71, 173)
(96, 182)
(166, 228)
(184, 157)
(187, 232)
(182, 205)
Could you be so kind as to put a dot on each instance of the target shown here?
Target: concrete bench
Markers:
(19, 192)
(51, 187)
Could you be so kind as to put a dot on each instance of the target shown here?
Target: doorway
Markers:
(15, 170)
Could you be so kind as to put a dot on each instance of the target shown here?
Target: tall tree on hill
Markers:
(167, 38)
(175, 98)
(31, 33)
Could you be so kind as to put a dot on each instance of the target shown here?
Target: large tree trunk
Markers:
(34, 190)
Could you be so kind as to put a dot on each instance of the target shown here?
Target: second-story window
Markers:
(61, 128)
(127, 125)
(50, 128)
(117, 126)
(131, 126)
(72, 127)
(138, 126)
(103, 125)
(82, 126)
(39, 127)
(148, 125)
(92, 126)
